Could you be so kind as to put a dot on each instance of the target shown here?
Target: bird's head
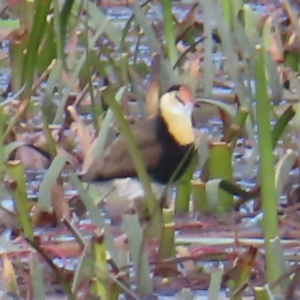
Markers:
(176, 107)
(177, 100)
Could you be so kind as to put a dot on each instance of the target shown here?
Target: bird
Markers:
(166, 142)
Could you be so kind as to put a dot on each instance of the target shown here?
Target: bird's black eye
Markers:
(179, 99)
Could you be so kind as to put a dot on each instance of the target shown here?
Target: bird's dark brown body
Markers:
(166, 143)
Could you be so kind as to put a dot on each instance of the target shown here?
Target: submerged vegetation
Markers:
(79, 73)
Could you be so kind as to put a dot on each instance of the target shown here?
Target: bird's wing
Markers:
(116, 160)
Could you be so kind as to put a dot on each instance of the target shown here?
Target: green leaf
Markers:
(101, 20)
(105, 126)
(139, 256)
(169, 30)
(81, 267)
(74, 77)
(272, 33)
(48, 105)
(250, 20)
(282, 171)
(92, 209)
(263, 293)
(266, 167)
(224, 106)
(49, 180)
(212, 194)
(36, 273)
(20, 198)
(284, 265)
(208, 48)
(168, 76)
(36, 35)
(231, 62)
(202, 147)
(9, 23)
(282, 123)
(11, 99)
(48, 49)
(95, 216)
(64, 22)
(9, 148)
(215, 283)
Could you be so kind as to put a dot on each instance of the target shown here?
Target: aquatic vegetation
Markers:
(80, 74)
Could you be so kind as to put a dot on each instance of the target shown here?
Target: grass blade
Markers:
(100, 271)
(284, 265)
(215, 284)
(283, 168)
(263, 293)
(74, 77)
(9, 148)
(64, 18)
(168, 76)
(212, 194)
(50, 178)
(267, 172)
(95, 216)
(208, 48)
(101, 20)
(36, 35)
(169, 31)
(282, 123)
(18, 188)
(139, 256)
(48, 106)
(47, 52)
(37, 277)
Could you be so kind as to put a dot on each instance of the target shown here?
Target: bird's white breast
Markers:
(132, 189)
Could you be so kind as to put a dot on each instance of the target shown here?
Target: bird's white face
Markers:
(176, 109)
(179, 108)
(178, 102)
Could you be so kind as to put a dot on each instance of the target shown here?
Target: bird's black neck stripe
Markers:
(175, 87)
(175, 158)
